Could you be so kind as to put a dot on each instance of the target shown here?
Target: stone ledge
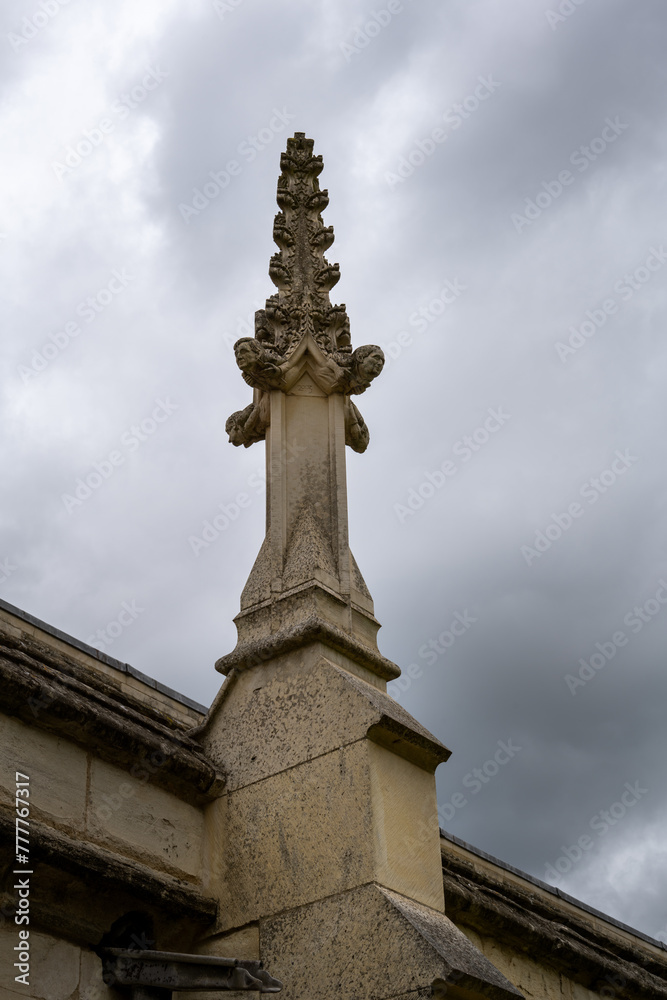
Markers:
(537, 926)
(103, 658)
(252, 654)
(551, 889)
(47, 693)
(396, 729)
(100, 870)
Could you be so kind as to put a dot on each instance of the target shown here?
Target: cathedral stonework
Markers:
(285, 839)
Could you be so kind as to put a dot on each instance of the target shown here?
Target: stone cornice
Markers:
(528, 920)
(23, 620)
(97, 872)
(45, 688)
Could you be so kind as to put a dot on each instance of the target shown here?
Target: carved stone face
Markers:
(372, 364)
(247, 354)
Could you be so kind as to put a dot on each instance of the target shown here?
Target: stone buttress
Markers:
(324, 850)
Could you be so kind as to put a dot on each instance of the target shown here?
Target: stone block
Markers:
(277, 829)
(282, 714)
(298, 707)
(144, 821)
(289, 841)
(355, 815)
(407, 838)
(214, 845)
(56, 768)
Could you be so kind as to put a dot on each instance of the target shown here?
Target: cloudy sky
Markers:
(496, 170)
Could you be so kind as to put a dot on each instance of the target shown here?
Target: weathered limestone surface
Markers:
(89, 798)
(143, 820)
(57, 771)
(91, 986)
(371, 943)
(116, 823)
(312, 629)
(298, 707)
(276, 829)
(53, 692)
(330, 786)
(59, 970)
(54, 967)
(404, 802)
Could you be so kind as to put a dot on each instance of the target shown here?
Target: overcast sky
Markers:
(496, 171)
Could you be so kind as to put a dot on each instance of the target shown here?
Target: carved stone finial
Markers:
(301, 311)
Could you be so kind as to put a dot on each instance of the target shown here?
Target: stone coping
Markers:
(109, 661)
(554, 890)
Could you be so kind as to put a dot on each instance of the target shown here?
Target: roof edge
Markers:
(554, 890)
(109, 661)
